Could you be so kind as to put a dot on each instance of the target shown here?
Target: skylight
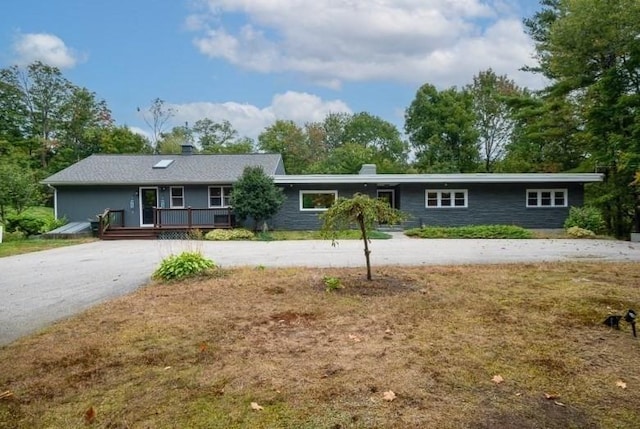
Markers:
(164, 163)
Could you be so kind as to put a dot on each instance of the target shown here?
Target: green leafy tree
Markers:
(41, 94)
(290, 140)
(171, 142)
(546, 136)
(220, 138)
(364, 212)
(441, 130)
(255, 196)
(591, 52)
(18, 189)
(494, 116)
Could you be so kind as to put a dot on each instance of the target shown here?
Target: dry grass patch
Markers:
(198, 354)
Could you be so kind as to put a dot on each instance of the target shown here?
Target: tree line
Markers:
(586, 119)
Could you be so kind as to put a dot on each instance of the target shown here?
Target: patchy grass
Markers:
(9, 248)
(197, 354)
(317, 235)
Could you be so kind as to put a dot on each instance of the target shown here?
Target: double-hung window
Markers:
(317, 200)
(547, 198)
(446, 198)
(177, 197)
(219, 196)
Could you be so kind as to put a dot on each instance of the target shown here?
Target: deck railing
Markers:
(193, 218)
(110, 218)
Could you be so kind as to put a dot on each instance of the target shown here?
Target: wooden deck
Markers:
(167, 224)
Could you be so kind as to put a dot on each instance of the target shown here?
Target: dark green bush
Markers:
(186, 264)
(472, 231)
(586, 218)
(28, 223)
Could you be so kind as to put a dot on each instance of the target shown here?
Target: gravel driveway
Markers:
(39, 288)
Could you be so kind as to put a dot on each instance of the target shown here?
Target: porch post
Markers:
(189, 217)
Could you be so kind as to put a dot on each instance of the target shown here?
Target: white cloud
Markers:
(250, 120)
(144, 133)
(48, 48)
(444, 42)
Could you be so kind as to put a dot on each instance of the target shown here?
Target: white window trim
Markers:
(553, 198)
(223, 196)
(171, 197)
(439, 192)
(317, 191)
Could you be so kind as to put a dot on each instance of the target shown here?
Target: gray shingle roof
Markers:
(185, 169)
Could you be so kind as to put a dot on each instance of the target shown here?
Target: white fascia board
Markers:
(440, 178)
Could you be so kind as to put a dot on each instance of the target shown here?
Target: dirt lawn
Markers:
(491, 346)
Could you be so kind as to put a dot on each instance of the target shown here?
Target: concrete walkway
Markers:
(39, 288)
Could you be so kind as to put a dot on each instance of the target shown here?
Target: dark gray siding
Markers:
(290, 217)
(81, 203)
(488, 204)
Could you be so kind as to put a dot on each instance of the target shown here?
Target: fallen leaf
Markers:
(560, 404)
(167, 368)
(519, 394)
(621, 384)
(256, 407)
(6, 394)
(90, 415)
(355, 338)
(389, 395)
(551, 396)
(203, 347)
(497, 379)
(388, 331)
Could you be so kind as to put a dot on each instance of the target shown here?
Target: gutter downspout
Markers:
(55, 201)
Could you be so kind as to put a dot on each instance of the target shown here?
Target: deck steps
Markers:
(130, 234)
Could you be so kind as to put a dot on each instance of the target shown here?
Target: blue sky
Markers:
(254, 61)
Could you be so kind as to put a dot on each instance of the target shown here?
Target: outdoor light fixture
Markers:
(630, 318)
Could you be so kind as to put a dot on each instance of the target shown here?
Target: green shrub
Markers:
(13, 236)
(472, 231)
(29, 223)
(53, 223)
(577, 232)
(229, 234)
(331, 283)
(586, 218)
(186, 264)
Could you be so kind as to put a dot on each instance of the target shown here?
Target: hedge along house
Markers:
(152, 193)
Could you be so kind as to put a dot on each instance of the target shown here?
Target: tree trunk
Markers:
(363, 230)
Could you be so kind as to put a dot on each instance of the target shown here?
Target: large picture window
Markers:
(317, 200)
(547, 198)
(446, 198)
(219, 196)
(177, 197)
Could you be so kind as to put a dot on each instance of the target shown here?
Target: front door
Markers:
(388, 195)
(148, 201)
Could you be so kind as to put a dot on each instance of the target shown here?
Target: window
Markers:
(440, 198)
(317, 200)
(546, 198)
(177, 197)
(219, 196)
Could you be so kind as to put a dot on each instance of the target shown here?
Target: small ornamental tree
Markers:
(362, 211)
(255, 196)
